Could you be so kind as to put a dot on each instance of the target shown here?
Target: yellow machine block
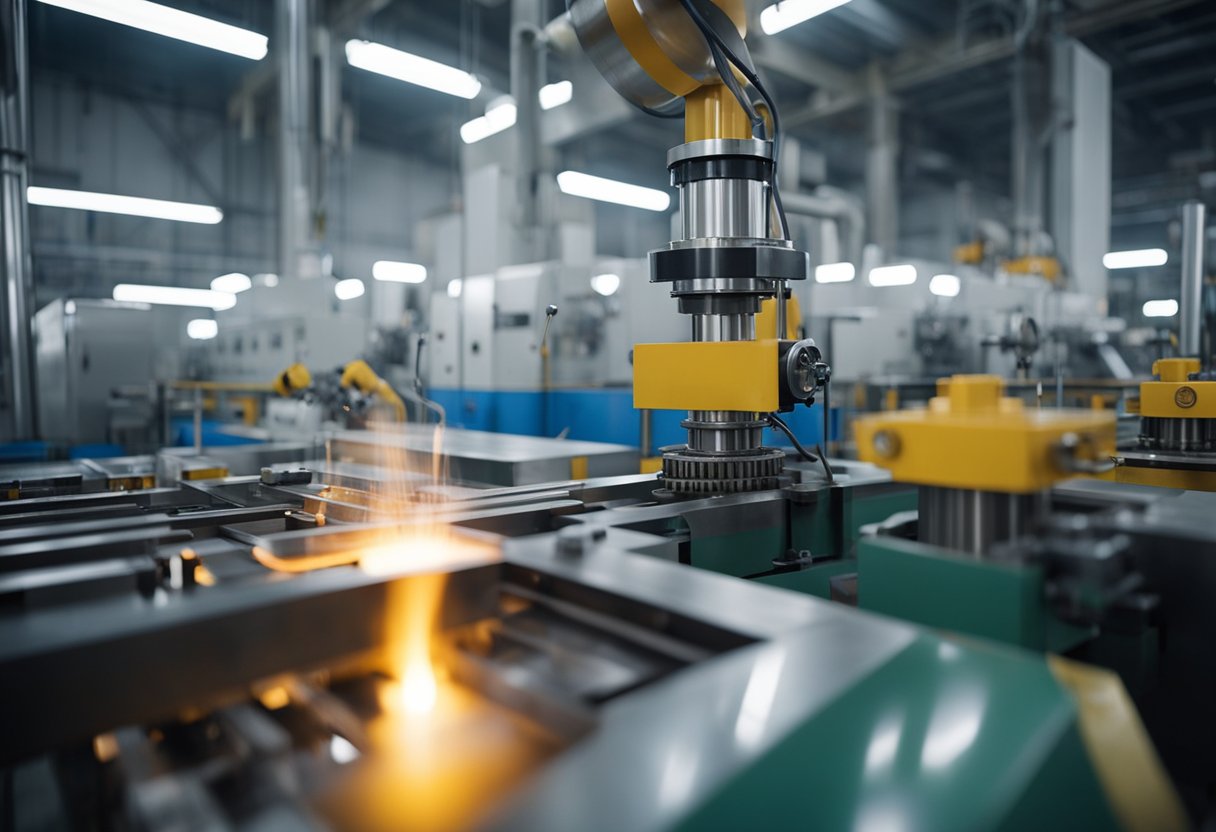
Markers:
(971, 254)
(766, 321)
(710, 375)
(1163, 477)
(1175, 396)
(1047, 268)
(971, 437)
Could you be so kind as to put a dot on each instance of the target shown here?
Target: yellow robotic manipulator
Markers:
(733, 254)
(357, 375)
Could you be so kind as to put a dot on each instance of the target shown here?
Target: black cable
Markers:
(777, 422)
(753, 78)
(826, 466)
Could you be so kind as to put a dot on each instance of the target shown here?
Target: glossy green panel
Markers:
(941, 737)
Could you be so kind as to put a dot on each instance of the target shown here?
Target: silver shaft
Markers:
(1191, 303)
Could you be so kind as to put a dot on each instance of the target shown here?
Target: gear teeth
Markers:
(689, 472)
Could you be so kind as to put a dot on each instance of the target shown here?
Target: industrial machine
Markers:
(307, 650)
(1176, 445)
(406, 631)
(734, 251)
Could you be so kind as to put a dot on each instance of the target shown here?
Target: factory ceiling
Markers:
(946, 62)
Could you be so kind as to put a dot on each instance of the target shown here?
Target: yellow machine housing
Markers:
(1174, 396)
(707, 375)
(972, 437)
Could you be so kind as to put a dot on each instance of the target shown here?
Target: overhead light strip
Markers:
(172, 23)
(1139, 259)
(598, 188)
(781, 16)
(173, 296)
(412, 69)
(134, 206)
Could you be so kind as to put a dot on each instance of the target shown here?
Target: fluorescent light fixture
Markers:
(412, 69)
(455, 287)
(606, 284)
(342, 750)
(203, 329)
(609, 190)
(233, 284)
(134, 206)
(1136, 259)
(500, 114)
(945, 285)
(781, 16)
(173, 296)
(392, 271)
(1160, 308)
(349, 289)
(556, 94)
(904, 275)
(172, 23)
(835, 273)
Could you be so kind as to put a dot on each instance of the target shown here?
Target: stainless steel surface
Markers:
(968, 521)
(85, 350)
(293, 55)
(740, 327)
(719, 147)
(674, 33)
(1184, 435)
(724, 208)
(490, 458)
(716, 431)
(16, 271)
(1190, 307)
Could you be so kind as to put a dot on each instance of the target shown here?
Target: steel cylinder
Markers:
(970, 521)
(724, 208)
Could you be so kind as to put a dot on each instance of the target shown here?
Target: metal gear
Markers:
(692, 472)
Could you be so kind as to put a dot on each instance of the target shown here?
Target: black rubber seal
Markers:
(721, 167)
(761, 262)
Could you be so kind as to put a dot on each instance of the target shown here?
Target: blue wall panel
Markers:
(596, 415)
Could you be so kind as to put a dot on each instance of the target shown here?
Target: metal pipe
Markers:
(1191, 304)
(15, 267)
(972, 521)
(527, 54)
(291, 20)
(741, 327)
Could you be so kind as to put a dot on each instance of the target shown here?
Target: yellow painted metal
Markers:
(294, 378)
(134, 483)
(578, 468)
(713, 112)
(1174, 396)
(204, 474)
(971, 254)
(712, 375)
(362, 377)
(1123, 756)
(890, 399)
(1163, 477)
(972, 437)
(1045, 267)
(766, 320)
(651, 465)
(1132, 405)
(634, 33)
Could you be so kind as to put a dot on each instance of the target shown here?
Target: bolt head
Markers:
(886, 444)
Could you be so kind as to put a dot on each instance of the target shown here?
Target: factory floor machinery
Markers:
(293, 651)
